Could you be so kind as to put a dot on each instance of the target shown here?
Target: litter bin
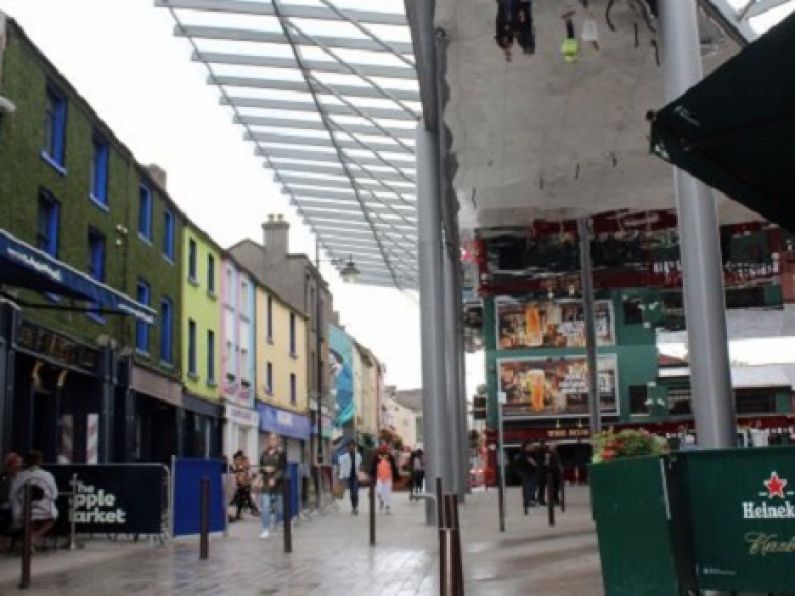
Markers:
(740, 513)
(639, 539)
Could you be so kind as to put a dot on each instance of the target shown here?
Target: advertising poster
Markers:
(341, 354)
(555, 387)
(550, 324)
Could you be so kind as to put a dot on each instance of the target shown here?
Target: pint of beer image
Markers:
(535, 380)
(534, 334)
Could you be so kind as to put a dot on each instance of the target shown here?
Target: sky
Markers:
(122, 56)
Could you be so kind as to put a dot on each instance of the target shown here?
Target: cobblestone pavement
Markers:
(331, 556)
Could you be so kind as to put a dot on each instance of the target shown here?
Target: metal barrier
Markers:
(287, 515)
(27, 531)
(204, 518)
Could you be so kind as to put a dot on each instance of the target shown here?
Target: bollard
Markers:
(72, 520)
(563, 495)
(451, 574)
(27, 543)
(371, 499)
(287, 515)
(440, 521)
(551, 502)
(204, 518)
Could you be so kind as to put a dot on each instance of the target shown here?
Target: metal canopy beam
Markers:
(307, 197)
(325, 66)
(236, 34)
(328, 157)
(279, 139)
(332, 183)
(325, 192)
(332, 170)
(296, 11)
(366, 129)
(343, 214)
(281, 85)
(347, 205)
(305, 106)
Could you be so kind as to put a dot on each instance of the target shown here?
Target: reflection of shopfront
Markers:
(201, 427)
(241, 431)
(293, 428)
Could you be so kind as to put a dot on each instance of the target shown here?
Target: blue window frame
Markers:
(143, 295)
(191, 347)
(100, 164)
(211, 274)
(269, 378)
(55, 127)
(210, 356)
(145, 212)
(293, 394)
(168, 235)
(292, 334)
(192, 260)
(270, 318)
(166, 330)
(47, 224)
(96, 263)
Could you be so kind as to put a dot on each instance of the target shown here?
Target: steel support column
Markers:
(703, 291)
(586, 281)
(461, 376)
(435, 443)
(453, 395)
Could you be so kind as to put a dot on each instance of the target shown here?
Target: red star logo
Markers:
(775, 486)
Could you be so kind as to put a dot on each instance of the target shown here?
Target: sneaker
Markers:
(264, 534)
(355, 512)
(388, 510)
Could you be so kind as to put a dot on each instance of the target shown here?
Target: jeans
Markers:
(353, 487)
(528, 490)
(269, 500)
(383, 488)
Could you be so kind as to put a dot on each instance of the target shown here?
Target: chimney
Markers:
(276, 236)
(158, 174)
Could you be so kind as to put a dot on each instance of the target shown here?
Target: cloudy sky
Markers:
(123, 57)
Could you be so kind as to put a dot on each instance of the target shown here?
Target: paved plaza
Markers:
(332, 556)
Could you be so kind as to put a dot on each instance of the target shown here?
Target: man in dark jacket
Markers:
(272, 469)
(541, 470)
(526, 467)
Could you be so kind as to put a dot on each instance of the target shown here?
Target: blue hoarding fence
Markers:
(188, 473)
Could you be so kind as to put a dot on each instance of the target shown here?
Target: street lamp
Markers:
(350, 272)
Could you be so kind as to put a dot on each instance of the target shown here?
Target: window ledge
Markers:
(144, 239)
(269, 339)
(168, 259)
(54, 164)
(212, 383)
(166, 364)
(51, 297)
(294, 355)
(99, 204)
(96, 318)
(212, 295)
(193, 376)
(193, 281)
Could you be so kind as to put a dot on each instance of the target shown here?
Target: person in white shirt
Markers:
(350, 464)
(44, 511)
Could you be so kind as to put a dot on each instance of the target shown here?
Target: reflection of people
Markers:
(44, 494)
(343, 381)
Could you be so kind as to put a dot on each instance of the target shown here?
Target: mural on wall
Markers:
(555, 387)
(341, 353)
(523, 324)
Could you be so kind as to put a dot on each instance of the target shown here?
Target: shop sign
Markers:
(38, 340)
(555, 387)
(557, 434)
(529, 324)
(283, 422)
(241, 416)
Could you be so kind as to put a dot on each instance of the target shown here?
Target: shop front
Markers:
(240, 433)
(201, 421)
(293, 428)
(153, 418)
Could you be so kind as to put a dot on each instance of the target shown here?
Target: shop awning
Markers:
(23, 266)
(735, 129)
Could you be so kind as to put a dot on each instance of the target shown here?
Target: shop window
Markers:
(100, 164)
(244, 297)
(192, 260)
(55, 128)
(633, 313)
(755, 402)
(145, 212)
(269, 318)
(292, 334)
(293, 394)
(230, 287)
(211, 274)
(47, 224)
(96, 264)
(269, 378)
(210, 356)
(192, 347)
(679, 401)
(143, 296)
(168, 235)
(638, 395)
(166, 330)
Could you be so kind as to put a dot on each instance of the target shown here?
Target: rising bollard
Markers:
(27, 534)
(287, 515)
(451, 574)
(371, 499)
(204, 518)
(551, 502)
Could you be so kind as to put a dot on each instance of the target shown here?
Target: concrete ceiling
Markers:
(539, 138)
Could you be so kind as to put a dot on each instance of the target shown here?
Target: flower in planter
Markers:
(610, 445)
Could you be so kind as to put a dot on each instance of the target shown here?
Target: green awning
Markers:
(735, 130)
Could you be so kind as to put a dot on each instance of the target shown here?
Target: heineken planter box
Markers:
(740, 508)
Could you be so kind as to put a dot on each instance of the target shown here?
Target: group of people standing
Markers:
(383, 471)
(541, 472)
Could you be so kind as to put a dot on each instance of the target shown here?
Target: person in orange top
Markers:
(385, 471)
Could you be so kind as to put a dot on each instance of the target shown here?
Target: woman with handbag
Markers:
(350, 471)
(385, 472)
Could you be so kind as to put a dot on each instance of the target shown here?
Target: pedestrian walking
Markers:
(350, 466)
(541, 472)
(417, 469)
(385, 471)
(272, 467)
(526, 467)
(554, 473)
(44, 492)
(241, 467)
